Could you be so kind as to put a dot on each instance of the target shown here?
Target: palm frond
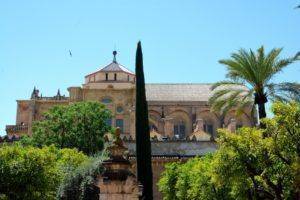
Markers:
(228, 97)
(218, 95)
(226, 83)
(297, 56)
(284, 92)
(246, 62)
(278, 66)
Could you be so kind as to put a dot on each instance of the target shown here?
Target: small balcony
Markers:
(16, 129)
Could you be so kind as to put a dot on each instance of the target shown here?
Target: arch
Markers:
(155, 121)
(155, 114)
(178, 110)
(242, 120)
(182, 124)
(210, 122)
(153, 125)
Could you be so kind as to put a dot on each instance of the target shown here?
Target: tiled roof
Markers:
(115, 67)
(178, 92)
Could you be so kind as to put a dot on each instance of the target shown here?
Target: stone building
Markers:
(180, 119)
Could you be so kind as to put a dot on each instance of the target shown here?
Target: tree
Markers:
(263, 163)
(29, 173)
(249, 164)
(80, 183)
(143, 144)
(78, 125)
(168, 180)
(192, 180)
(250, 75)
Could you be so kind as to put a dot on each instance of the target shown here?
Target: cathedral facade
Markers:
(175, 110)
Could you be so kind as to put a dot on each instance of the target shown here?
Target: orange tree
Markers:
(249, 164)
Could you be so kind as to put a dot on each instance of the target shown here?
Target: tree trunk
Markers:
(143, 144)
(261, 114)
(262, 111)
(261, 99)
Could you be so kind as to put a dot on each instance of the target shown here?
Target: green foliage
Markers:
(249, 76)
(249, 164)
(192, 180)
(168, 181)
(79, 125)
(30, 173)
(80, 184)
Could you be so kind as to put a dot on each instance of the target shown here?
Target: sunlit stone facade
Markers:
(175, 110)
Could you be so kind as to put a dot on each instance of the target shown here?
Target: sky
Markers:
(182, 41)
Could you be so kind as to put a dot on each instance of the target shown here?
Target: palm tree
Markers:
(250, 83)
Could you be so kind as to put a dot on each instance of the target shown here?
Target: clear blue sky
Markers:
(182, 40)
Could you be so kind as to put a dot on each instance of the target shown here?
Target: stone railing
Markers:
(176, 148)
(57, 98)
(10, 129)
(129, 138)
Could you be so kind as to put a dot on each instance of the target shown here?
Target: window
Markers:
(152, 127)
(106, 100)
(120, 109)
(108, 122)
(179, 131)
(208, 128)
(115, 77)
(120, 124)
(106, 76)
(128, 78)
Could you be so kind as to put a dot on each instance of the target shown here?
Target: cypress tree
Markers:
(142, 135)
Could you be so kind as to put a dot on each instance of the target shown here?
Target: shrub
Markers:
(80, 184)
(32, 173)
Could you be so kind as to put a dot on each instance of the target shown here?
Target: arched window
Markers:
(106, 100)
(120, 109)
(179, 130)
(120, 124)
(208, 128)
(153, 127)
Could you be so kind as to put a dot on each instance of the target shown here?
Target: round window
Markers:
(106, 100)
(120, 109)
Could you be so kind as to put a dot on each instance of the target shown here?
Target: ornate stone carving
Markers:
(117, 181)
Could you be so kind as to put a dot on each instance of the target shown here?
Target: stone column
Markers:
(75, 94)
(168, 127)
(132, 120)
(199, 125)
(232, 125)
(31, 117)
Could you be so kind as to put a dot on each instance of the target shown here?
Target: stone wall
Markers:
(164, 152)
